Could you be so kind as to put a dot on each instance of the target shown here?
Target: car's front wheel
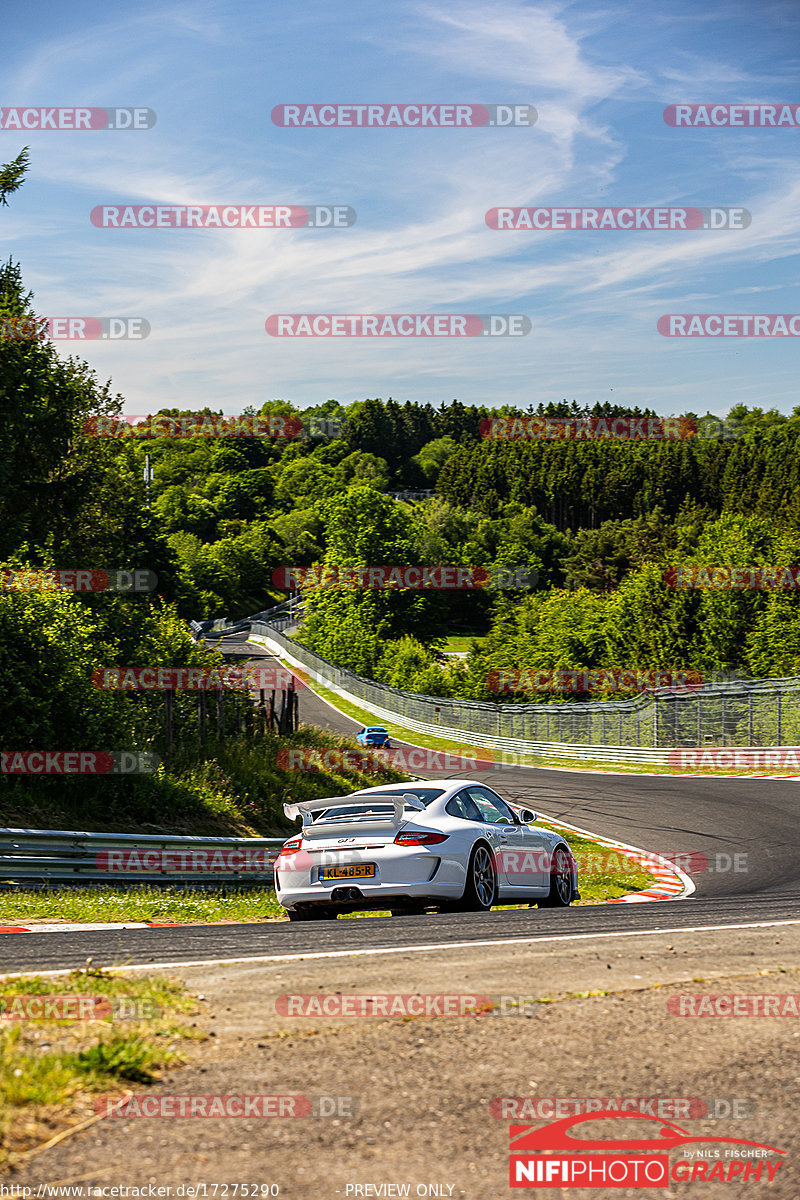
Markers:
(560, 895)
(480, 890)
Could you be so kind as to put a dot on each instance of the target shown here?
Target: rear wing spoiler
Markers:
(307, 808)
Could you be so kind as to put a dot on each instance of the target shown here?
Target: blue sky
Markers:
(599, 77)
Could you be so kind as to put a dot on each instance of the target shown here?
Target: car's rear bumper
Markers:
(413, 872)
(353, 895)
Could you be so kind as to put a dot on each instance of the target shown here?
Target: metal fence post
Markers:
(778, 714)
(749, 717)
(699, 719)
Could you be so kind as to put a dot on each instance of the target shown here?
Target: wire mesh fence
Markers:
(745, 712)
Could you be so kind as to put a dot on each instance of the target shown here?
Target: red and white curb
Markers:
(671, 882)
(90, 926)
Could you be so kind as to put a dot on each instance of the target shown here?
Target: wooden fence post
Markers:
(201, 716)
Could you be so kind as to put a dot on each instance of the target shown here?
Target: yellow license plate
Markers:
(356, 871)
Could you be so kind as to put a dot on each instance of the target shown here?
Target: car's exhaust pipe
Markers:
(344, 895)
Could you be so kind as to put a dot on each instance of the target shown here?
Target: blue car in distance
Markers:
(374, 735)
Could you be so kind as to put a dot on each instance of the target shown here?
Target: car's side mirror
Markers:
(528, 815)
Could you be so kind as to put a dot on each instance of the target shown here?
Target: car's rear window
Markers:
(357, 810)
(426, 795)
(377, 805)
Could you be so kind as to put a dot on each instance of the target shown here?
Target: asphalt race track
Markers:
(746, 823)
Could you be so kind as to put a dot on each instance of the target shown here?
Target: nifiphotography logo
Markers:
(552, 1156)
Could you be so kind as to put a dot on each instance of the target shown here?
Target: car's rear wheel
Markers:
(480, 890)
(560, 895)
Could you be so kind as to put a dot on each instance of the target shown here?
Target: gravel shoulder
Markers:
(410, 1097)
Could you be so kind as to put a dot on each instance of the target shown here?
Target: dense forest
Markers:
(595, 522)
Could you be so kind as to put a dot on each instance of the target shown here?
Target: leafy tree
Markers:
(348, 625)
(12, 175)
(433, 456)
(368, 469)
(306, 481)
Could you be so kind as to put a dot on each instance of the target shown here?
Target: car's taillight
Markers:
(420, 839)
(292, 846)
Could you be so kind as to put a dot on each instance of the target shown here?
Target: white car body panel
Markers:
(409, 874)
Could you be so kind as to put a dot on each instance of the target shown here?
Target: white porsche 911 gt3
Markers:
(410, 847)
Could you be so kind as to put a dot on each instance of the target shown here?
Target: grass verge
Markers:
(463, 642)
(53, 1070)
(141, 903)
(607, 876)
(233, 788)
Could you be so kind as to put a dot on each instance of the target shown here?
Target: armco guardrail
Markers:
(753, 713)
(280, 616)
(42, 856)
